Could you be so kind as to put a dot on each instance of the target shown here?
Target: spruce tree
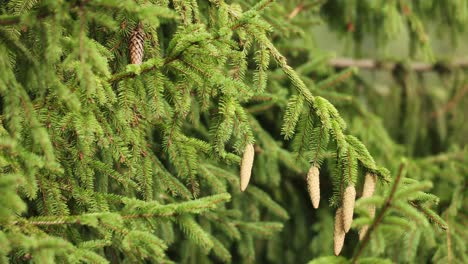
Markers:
(211, 131)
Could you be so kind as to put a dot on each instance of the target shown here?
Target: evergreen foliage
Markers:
(123, 124)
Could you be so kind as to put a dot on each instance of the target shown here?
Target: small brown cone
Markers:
(368, 190)
(349, 197)
(338, 234)
(136, 45)
(313, 185)
(246, 166)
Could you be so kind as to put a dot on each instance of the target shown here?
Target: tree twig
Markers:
(296, 10)
(371, 64)
(452, 103)
(378, 219)
(449, 240)
(427, 213)
(301, 7)
(8, 20)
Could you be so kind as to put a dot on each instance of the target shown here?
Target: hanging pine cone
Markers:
(369, 185)
(349, 197)
(368, 190)
(338, 234)
(136, 45)
(313, 184)
(246, 166)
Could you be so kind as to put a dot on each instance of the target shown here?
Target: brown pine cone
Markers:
(136, 45)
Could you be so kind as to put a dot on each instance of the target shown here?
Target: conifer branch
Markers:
(378, 219)
(319, 146)
(296, 10)
(264, 5)
(444, 157)
(195, 206)
(371, 64)
(301, 7)
(339, 78)
(125, 74)
(449, 239)
(127, 140)
(451, 103)
(434, 218)
(8, 20)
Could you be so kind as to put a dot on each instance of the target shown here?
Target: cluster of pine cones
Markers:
(344, 214)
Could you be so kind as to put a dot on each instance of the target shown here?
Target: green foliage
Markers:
(103, 161)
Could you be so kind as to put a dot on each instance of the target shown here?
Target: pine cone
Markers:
(369, 185)
(246, 166)
(349, 198)
(136, 45)
(368, 190)
(338, 234)
(313, 184)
